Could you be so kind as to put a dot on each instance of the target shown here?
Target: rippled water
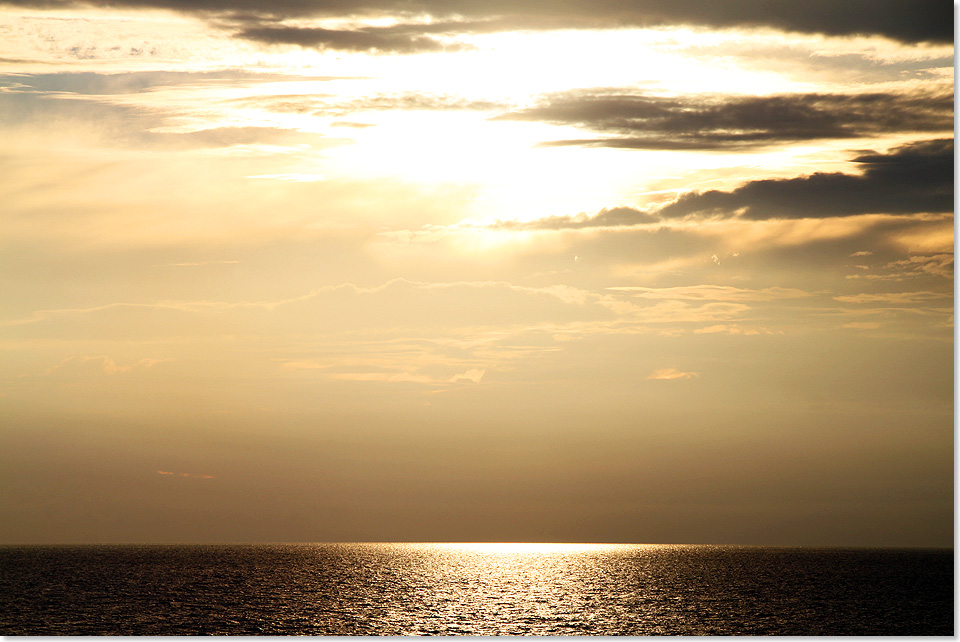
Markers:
(463, 589)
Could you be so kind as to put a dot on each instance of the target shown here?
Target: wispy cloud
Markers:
(912, 267)
(612, 217)
(671, 374)
(736, 329)
(100, 363)
(293, 177)
(713, 293)
(474, 375)
(894, 297)
(467, 301)
(391, 377)
(191, 475)
(861, 325)
(198, 263)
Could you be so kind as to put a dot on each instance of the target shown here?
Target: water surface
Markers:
(463, 589)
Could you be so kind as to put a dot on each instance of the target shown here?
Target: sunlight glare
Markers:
(523, 548)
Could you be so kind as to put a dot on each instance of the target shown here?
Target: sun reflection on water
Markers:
(529, 548)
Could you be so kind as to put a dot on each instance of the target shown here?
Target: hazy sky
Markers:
(663, 271)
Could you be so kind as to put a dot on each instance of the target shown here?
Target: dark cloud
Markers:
(613, 217)
(914, 178)
(396, 39)
(905, 20)
(635, 121)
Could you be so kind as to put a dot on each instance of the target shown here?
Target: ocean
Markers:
(473, 589)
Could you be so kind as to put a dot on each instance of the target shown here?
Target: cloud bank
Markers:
(639, 121)
(904, 20)
(913, 178)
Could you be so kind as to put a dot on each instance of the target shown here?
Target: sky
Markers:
(408, 270)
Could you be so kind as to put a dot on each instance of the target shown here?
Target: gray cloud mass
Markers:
(904, 20)
(396, 39)
(725, 122)
(914, 178)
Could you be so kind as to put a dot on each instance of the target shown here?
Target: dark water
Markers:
(462, 589)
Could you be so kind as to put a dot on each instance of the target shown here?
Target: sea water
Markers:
(473, 589)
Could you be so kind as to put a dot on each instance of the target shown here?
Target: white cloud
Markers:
(473, 375)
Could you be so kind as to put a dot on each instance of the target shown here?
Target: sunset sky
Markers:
(655, 271)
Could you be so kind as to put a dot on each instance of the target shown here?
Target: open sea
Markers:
(473, 589)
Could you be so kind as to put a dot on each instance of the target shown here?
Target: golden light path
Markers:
(526, 548)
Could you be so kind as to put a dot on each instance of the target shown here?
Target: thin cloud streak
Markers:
(671, 374)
